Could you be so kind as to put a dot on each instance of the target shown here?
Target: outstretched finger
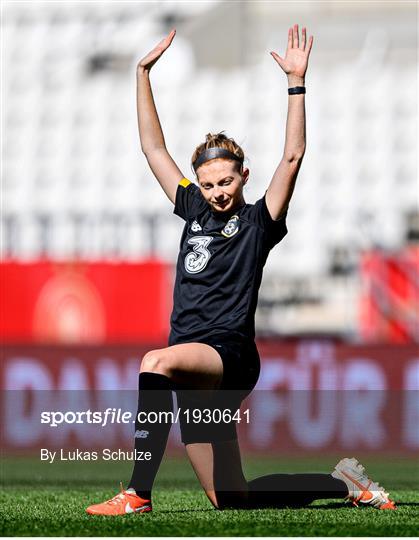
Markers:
(295, 36)
(171, 35)
(168, 40)
(289, 45)
(309, 45)
(280, 61)
(303, 39)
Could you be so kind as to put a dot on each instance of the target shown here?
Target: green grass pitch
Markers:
(38, 499)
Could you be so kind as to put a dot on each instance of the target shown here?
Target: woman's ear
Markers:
(245, 176)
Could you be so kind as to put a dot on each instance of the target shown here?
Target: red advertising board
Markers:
(95, 302)
(389, 304)
(107, 302)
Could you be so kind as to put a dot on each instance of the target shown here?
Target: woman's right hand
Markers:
(151, 58)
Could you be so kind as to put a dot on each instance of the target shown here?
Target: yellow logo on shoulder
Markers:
(185, 182)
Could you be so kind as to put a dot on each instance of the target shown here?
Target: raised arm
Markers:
(152, 140)
(294, 65)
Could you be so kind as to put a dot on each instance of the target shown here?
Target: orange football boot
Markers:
(126, 502)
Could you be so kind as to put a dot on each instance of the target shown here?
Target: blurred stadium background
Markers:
(89, 241)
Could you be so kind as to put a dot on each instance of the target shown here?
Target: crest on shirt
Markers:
(232, 227)
(196, 227)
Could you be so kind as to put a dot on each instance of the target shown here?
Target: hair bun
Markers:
(211, 137)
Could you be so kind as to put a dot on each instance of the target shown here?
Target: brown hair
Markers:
(218, 140)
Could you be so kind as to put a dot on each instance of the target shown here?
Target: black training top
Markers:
(219, 267)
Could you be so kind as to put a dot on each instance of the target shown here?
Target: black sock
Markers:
(154, 396)
(294, 489)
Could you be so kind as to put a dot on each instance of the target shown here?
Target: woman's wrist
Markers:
(141, 71)
(295, 81)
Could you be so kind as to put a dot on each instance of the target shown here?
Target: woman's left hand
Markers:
(296, 58)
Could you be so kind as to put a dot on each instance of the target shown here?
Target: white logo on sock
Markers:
(143, 434)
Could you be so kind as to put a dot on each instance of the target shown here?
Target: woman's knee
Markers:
(157, 361)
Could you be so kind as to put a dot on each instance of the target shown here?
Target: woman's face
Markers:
(221, 184)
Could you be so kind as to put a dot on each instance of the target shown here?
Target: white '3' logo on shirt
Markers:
(197, 260)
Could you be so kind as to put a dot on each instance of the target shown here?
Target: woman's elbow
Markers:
(295, 156)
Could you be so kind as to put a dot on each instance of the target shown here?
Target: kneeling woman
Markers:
(212, 361)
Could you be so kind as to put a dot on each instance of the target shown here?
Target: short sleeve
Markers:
(189, 201)
(274, 230)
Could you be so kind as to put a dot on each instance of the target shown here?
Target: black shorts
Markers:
(241, 367)
(241, 363)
